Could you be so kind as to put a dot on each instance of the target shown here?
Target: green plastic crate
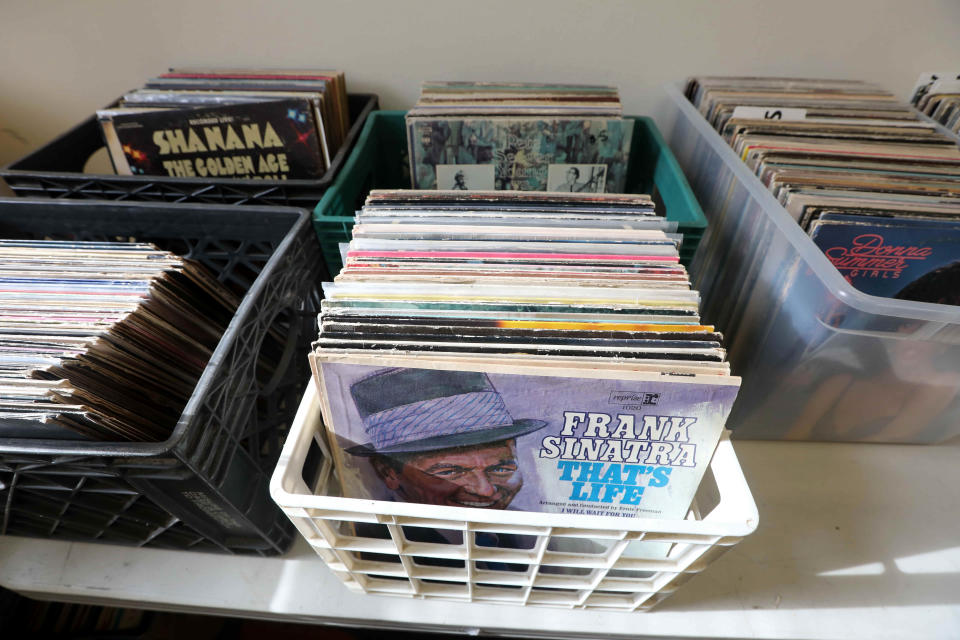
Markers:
(379, 160)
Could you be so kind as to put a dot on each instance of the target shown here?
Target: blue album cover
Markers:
(581, 155)
(905, 258)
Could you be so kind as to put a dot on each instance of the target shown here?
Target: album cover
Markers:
(578, 155)
(275, 140)
(897, 259)
(626, 446)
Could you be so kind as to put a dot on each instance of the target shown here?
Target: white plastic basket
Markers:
(549, 570)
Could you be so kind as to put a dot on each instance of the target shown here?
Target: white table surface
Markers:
(855, 541)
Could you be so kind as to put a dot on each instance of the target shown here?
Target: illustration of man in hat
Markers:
(441, 437)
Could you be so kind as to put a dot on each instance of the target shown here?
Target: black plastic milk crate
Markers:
(56, 171)
(206, 486)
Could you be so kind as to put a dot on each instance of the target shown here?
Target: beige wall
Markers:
(61, 59)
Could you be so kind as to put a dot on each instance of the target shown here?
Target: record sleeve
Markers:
(909, 260)
(269, 140)
(580, 155)
(625, 445)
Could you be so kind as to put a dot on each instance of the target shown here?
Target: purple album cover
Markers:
(633, 445)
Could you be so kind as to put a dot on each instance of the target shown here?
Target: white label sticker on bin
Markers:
(769, 113)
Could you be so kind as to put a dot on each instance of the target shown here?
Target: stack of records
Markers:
(874, 185)
(540, 352)
(938, 96)
(102, 340)
(520, 137)
(236, 123)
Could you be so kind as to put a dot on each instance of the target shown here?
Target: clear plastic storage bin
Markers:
(379, 547)
(819, 359)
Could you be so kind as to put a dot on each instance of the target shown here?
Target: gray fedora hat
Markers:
(414, 410)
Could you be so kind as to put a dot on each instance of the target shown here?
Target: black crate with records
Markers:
(155, 458)
(223, 136)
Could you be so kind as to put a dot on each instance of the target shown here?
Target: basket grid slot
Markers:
(555, 597)
(516, 531)
(417, 534)
(592, 534)
(632, 585)
(495, 587)
(432, 550)
(483, 540)
(414, 523)
(365, 545)
(506, 573)
(600, 546)
(501, 594)
(611, 598)
(503, 555)
(385, 584)
(384, 565)
(434, 561)
(439, 573)
(565, 582)
(344, 520)
(617, 572)
(459, 578)
(441, 589)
